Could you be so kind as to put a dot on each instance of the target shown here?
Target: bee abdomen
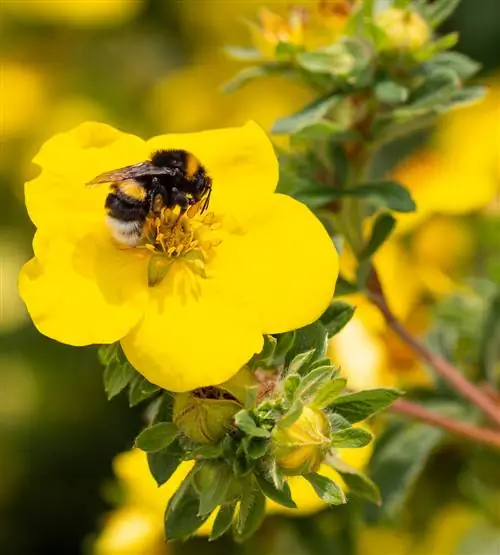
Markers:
(129, 233)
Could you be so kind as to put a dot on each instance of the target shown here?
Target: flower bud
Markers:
(405, 29)
(205, 414)
(301, 447)
(273, 29)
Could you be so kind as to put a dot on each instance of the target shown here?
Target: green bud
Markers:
(405, 29)
(206, 414)
(301, 447)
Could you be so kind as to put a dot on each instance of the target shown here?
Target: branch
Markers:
(455, 427)
(444, 368)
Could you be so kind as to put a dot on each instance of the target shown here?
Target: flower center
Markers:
(190, 237)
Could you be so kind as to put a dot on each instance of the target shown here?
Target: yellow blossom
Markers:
(197, 326)
(273, 29)
(130, 531)
(22, 97)
(80, 13)
(263, 100)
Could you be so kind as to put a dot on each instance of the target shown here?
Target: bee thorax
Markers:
(128, 233)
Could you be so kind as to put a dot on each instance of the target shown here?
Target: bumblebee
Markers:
(171, 178)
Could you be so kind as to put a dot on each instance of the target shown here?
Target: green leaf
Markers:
(344, 287)
(140, 389)
(256, 448)
(314, 379)
(334, 60)
(277, 477)
(310, 114)
(389, 92)
(320, 131)
(157, 437)
(217, 490)
(245, 422)
(285, 343)
(351, 438)
(117, 375)
(162, 464)
(223, 521)
(383, 226)
(385, 194)
(251, 397)
(181, 517)
(282, 497)
(337, 422)
(266, 356)
(292, 415)
(299, 362)
(328, 392)
(440, 10)
(249, 74)
(436, 89)
(312, 337)
(358, 483)
(336, 316)
(360, 405)
(243, 54)
(251, 513)
(109, 353)
(326, 489)
(290, 387)
(399, 459)
(462, 65)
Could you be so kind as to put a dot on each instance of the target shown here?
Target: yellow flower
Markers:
(130, 531)
(260, 252)
(262, 101)
(80, 13)
(273, 29)
(22, 97)
(405, 29)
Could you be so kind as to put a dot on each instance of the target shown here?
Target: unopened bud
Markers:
(205, 414)
(300, 448)
(405, 29)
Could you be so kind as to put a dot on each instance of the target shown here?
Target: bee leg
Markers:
(179, 199)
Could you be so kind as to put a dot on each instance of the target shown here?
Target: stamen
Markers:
(189, 237)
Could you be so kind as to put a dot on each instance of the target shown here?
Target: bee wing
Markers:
(130, 172)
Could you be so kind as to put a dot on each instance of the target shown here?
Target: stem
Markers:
(444, 368)
(455, 427)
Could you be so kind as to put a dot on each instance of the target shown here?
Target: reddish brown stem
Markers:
(445, 369)
(455, 427)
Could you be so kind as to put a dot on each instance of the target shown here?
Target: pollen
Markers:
(190, 237)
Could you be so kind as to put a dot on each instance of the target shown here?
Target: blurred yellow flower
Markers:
(273, 29)
(22, 97)
(130, 531)
(263, 100)
(83, 288)
(78, 13)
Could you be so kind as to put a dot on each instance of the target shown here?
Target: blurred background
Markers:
(155, 66)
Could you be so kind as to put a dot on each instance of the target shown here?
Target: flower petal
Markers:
(81, 291)
(68, 161)
(194, 333)
(285, 264)
(240, 160)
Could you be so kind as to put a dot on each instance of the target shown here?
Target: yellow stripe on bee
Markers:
(192, 165)
(133, 189)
